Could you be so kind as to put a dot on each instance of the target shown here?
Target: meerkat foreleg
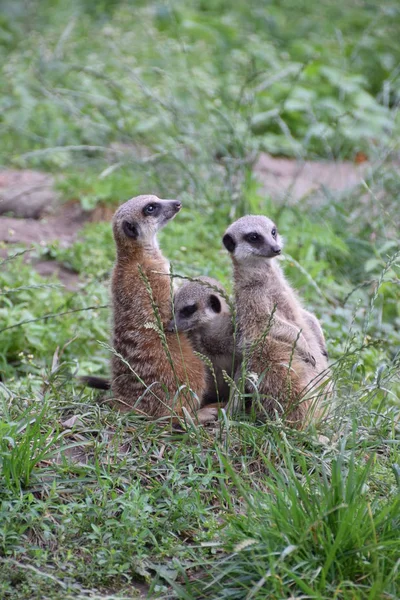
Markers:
(316, 328)
(282, 330)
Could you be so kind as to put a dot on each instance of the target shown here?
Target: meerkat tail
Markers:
(98, 383)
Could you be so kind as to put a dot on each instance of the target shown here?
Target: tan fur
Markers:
(139, 345)
(292, 324)
(281, 385)
(318, 335)
(210, 329)
(264, 301)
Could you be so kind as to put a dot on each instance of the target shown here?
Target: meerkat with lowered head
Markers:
(201, 310)
(203, 313)
(155, 380)
(265, 303)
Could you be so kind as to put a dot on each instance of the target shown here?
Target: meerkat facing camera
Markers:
(291, 322)
(264, 299)
(201, 310)
(155, 380)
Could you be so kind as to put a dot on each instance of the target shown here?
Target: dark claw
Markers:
(310, 359)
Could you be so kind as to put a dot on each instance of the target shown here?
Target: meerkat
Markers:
(204, 314)
(146, 375)
(266, 303)
(291, 322)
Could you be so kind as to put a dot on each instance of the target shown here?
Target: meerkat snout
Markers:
(184, 318)
(252, 236)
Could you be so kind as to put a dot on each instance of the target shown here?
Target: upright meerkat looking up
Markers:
(201, 311)
(143, 377)
(266, 303)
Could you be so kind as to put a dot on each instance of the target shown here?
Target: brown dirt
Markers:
(49, 268)
(39, 217)
(63, 225)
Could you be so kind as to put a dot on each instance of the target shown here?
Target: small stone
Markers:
(26, 193)
(69, 423)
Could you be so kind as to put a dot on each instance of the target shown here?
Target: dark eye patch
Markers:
(254, 238)
(215, 303)
(188, 311)
(152, 209)
(130, 229)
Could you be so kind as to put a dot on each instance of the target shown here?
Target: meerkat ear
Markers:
(229, 242)
(215, 303)
(130, 229)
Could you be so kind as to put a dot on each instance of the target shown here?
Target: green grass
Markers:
(177, 99)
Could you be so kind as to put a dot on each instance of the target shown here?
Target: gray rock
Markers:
(290, 180)
(27, 193)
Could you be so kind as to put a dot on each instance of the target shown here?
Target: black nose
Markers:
(177, 206)
(171, 326)
(276, 250)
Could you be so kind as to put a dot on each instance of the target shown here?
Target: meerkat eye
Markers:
(273, 232)
(188, 311)
(151, 209)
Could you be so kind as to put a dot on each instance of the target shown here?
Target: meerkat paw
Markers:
(309, 358)
(207, 414)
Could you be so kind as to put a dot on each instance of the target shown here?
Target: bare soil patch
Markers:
(31, 211)
(290, 180)
(63, 225)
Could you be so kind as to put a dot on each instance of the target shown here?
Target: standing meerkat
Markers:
(266, 303)
(291, 322)
(202, 312)
(145, 375)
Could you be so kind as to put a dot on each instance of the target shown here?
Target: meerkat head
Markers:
(138, 220)
(197, 305)
(252, 238)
